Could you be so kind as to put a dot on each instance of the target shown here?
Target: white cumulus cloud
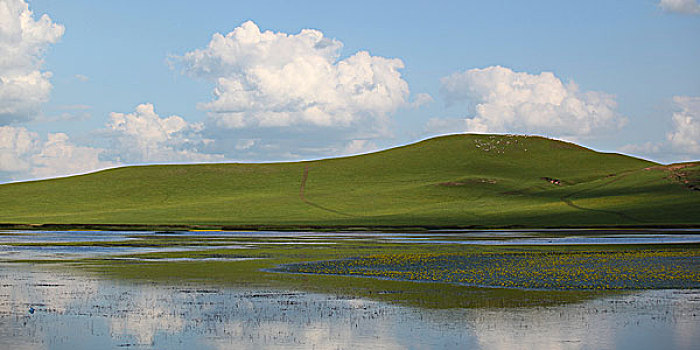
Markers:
(267, 79)
(24, 153)
(646, 148)
(143, 136)
(518, 102)
(682, 142)
(59, 156)
(244, 144)
(23, 40)
(16, 147)
(421, 99)
(359, 147)
(685, 137)
(689, 7)
(81, 77)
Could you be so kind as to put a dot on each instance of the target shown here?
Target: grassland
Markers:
(451, 181)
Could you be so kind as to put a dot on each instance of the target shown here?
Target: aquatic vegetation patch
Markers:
(198, 259)
(553, 270)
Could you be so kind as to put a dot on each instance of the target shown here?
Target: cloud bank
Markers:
(267, 79)
(683, 141)
(143, 136)
(504, 101)
(688, 7)
(24, 153)
(685, 137)
(138, 137)
(23, 40)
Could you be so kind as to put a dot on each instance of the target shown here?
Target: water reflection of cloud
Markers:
(52, 291)
(146, 313)
(538, 329)
(687, 332)
(74, 309)
(315, 334)
(653, 319)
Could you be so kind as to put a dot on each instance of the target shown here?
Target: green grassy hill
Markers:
(458, 180)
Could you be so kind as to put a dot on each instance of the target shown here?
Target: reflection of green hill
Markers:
(459, 180)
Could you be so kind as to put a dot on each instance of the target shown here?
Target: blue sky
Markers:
(134, 82)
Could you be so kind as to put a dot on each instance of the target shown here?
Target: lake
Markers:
(55, 306)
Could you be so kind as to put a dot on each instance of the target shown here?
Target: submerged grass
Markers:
(257, 274)
(418, 274)
(558, 270)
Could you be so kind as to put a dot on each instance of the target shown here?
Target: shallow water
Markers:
(11, 253)
(75, 311)
(485, 237)
(571, 240)
(64, 236)
(54, 308)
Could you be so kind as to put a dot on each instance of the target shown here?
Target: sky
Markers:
(89, 85)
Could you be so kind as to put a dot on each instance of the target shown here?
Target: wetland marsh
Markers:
(68, 290)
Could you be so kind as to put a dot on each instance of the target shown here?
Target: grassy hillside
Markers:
(458, 180)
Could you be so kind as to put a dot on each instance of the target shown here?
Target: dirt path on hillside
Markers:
(568, 201)
(302, 188)
(302, 191)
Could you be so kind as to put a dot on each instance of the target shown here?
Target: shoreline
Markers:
(327, 228)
